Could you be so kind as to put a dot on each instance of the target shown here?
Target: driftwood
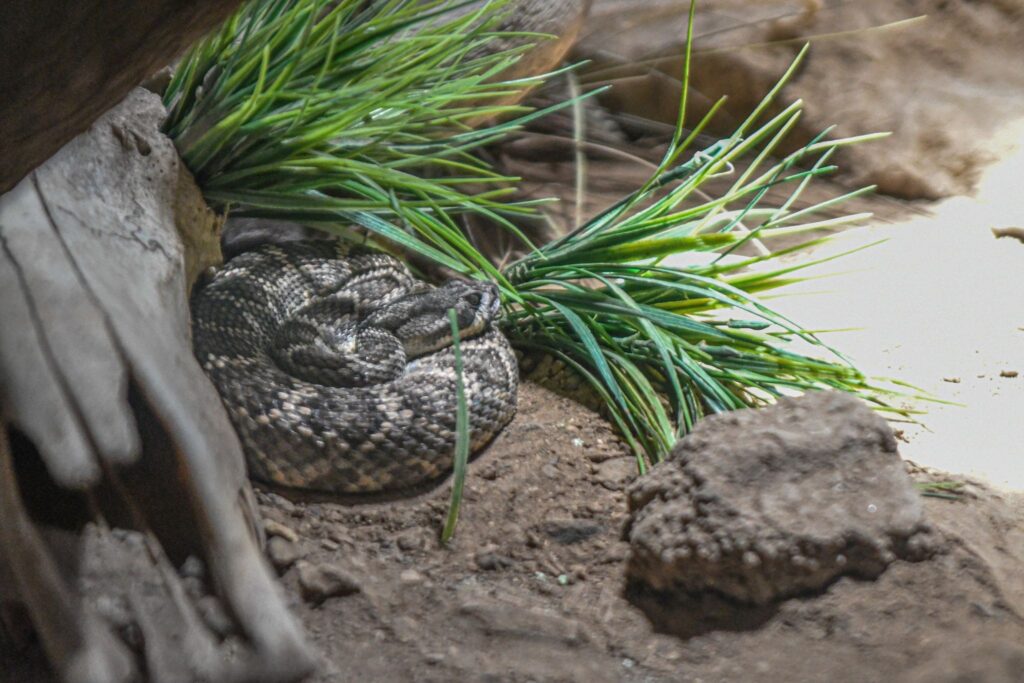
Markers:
(62, 64)
(109, 417)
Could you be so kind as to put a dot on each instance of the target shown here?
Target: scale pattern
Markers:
(278, 328)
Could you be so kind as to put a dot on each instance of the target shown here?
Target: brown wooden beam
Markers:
(62, 64)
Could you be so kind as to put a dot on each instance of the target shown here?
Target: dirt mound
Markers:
(760, 505)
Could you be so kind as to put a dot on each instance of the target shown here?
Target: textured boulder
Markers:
(759, 505)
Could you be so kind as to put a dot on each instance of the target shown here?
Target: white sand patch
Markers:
(940, 304)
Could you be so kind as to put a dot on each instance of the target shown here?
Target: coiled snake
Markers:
(336, 366)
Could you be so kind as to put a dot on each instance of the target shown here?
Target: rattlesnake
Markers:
(335, 366)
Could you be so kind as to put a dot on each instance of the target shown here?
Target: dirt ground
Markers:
(531, 588)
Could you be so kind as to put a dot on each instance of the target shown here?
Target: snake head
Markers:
(420, 319)
(476, 303)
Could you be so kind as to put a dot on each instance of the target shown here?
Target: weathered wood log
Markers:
(78, 644)
(99, 386)
(62, 64)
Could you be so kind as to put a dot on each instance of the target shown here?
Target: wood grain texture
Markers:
(97, 371)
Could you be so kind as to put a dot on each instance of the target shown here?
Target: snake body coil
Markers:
(336, 366)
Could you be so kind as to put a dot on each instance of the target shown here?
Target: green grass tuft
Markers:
(336, 113)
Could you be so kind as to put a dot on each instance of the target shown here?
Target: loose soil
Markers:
(531, 588)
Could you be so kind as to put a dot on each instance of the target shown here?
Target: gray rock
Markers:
(273, 528)
(211, 610)
(616, 473)
(759, 505)
(413, 539)
(282, 553)
(502, 619)
(489, 560)
(318, 582)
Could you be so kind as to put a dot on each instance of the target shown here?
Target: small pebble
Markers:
(213, 615)
(275, 500)
(280, 530)
(114, 609)
(193, 567)
(282, 553)
(410, 577)
(413, 539)
(318, 582)
(488, 560)
(339, 536)
(615, 474)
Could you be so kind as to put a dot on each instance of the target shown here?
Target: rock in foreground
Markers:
(760, 505)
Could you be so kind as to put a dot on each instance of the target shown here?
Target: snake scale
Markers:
(336, 367)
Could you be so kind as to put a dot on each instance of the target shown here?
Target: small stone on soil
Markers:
(282, 553)
(411, 539)
(489, 560)
(410, 577)
(318, 582)
(500, 618)
(616, 473)
(280, 530)
(192, 567)
(274, 500)
(213, 615)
